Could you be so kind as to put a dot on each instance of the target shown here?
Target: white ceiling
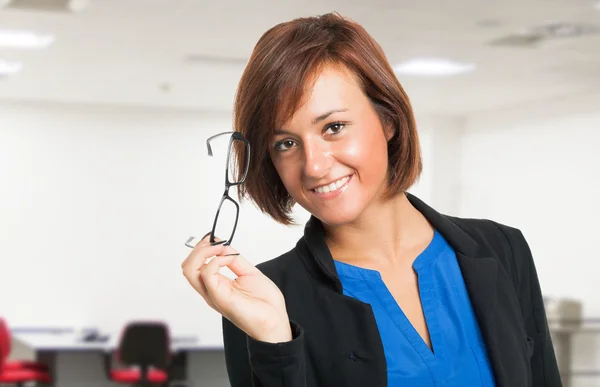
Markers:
(133, 52)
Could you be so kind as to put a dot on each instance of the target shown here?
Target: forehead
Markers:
(333, 87)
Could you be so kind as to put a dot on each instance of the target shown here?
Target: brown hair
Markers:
(285, 61)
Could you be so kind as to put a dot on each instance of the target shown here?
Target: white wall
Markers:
(542, 175)
(543, 178)
(96, 204)
(441, 140)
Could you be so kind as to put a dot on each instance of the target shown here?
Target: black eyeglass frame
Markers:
(228, 184)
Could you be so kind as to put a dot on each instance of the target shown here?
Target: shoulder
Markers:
(489, 232)
(504, 242)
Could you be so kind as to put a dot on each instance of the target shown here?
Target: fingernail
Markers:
(205, 235)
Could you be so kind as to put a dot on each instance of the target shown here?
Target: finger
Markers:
(205, 241)
(221, 261)
(200, 254)
(218, 241)
(195, 262)
(198, 284)
(239, 265)
(193, 241)
(206, 238)
(230, 250)
(200, 287)
(211, 277)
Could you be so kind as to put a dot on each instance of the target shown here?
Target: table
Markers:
(75, 362)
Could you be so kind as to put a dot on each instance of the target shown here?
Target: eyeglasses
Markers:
(232, 178)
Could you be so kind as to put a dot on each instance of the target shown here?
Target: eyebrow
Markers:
(325, 115)
(315, 120)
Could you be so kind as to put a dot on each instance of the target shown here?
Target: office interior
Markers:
(105, 108)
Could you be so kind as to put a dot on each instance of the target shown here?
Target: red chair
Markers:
(144, 348)
(21, 371)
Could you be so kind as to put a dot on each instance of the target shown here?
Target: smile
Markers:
(334, 188)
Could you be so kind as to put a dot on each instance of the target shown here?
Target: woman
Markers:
(382, 290)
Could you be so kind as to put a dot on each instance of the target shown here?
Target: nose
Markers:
(318, 159)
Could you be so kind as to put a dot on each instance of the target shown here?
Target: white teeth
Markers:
(332, 186)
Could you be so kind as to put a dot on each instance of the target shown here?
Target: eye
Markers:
(284, 145)
(335, 128)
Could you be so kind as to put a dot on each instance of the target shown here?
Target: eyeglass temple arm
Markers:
(211, 138)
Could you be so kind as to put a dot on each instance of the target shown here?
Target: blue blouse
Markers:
(459, 357)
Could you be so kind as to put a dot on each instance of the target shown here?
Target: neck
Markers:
(387, 234)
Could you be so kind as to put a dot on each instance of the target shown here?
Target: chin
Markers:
(335, 217)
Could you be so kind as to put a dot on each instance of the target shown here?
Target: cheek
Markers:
(288, 173)
(366, 154)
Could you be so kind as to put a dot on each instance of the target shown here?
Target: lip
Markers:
(339, 178)
(337, 192)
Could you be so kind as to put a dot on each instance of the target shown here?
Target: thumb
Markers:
(230, 251)
(239, 265)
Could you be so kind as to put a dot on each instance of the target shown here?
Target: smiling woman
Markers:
(382, 290)
(338, 153)
(271, 91)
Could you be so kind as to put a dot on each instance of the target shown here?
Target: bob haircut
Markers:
(285, 64)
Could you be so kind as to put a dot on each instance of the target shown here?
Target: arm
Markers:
(543, 361)
(252, 363)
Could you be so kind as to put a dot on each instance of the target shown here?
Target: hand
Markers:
(252, 301)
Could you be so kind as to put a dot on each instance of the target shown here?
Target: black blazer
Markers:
(336, 342)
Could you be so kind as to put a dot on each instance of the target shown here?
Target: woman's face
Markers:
(332, 154)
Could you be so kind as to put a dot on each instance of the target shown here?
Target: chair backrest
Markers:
(4, 341)
(145, 344)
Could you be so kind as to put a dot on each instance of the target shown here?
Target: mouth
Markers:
(333, 189)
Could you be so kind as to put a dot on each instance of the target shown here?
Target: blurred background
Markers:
(105, 107)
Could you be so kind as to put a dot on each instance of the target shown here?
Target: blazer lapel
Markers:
(480, 273)
(480, 276)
